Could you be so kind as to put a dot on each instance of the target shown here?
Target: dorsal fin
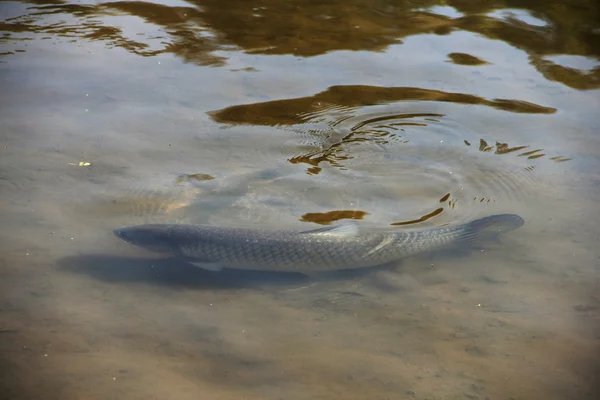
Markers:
(343, 229)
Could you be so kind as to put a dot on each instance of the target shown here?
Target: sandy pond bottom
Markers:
(86, 316)
(91, 317)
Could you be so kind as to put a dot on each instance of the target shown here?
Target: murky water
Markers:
(400, 115)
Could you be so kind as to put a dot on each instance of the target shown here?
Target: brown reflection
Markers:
(560, 159)
(332, 155)
(536, 156)
(504, 148)
(451, 202)
(181, 30)
(572, 77)
(307, 28)
(381, 130)
(483, 146)
(465, 59)
(422, 219)
(529, 153)
(288, 112)
(327, 218)
(194, 177)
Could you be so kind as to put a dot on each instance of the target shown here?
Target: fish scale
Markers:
(339, 247)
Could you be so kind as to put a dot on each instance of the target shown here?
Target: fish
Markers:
(339, 247)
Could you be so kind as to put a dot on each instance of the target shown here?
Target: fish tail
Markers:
(490, 227)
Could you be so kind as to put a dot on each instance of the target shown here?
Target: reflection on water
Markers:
(465, 59)
(338, 127)
(504, 148)
(424, 218)
(197, 31)
(326, 218)
(395, 114)
(342, 117)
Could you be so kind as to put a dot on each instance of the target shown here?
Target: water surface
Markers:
(399, 115)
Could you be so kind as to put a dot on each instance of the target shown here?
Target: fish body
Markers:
(343, 246)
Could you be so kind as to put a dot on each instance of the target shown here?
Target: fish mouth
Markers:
(145, 237)
(120, 233)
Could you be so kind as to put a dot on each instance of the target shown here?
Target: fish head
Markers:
(156, 238)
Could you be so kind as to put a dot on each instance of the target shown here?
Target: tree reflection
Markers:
(196, 30)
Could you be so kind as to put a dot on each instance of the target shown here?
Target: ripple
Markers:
(577, 78)
(331, 124)
(397, 153)
(202, 31)
(185, 198)
(152, 199)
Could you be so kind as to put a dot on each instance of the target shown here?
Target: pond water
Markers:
(296, 114)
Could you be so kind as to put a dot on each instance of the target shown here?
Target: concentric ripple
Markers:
(393, 156)
(186, 198)
(155, 199)
(400, 157)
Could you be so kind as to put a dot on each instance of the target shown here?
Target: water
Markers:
(399, 115)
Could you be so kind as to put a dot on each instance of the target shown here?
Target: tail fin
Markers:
(492, 226)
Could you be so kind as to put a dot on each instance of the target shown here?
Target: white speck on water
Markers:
(26, 254)
(87, 94)
(441, 141)
(86, 110)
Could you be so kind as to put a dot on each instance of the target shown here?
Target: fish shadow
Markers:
(177, 273)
